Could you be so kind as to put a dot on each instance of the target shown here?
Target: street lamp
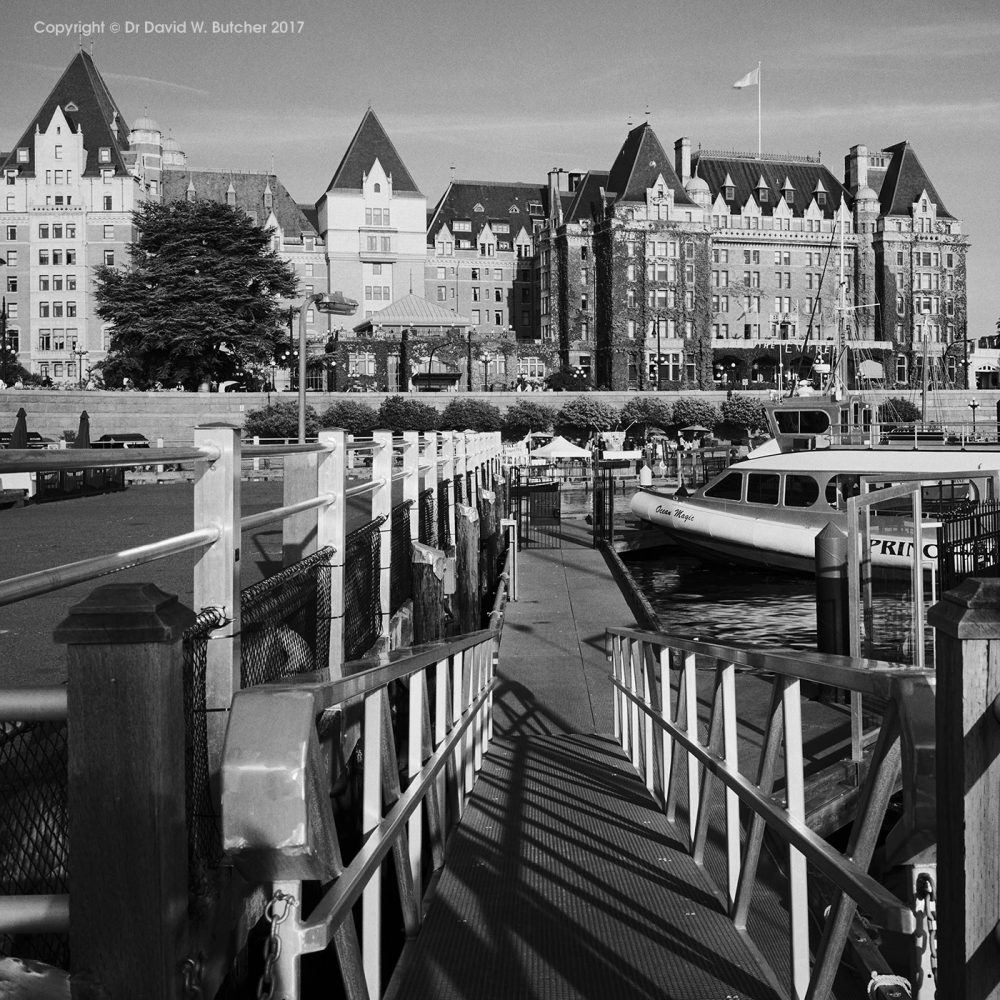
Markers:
(973, 405)
(486, 357)
(337, 304)
(80, 354)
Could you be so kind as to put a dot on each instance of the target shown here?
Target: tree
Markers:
(744, 411)
(583, 415)
(471, 414)
(568, 380)
(898, 410)
(279, 420)
(525, 416)
(645, 412)
(399, 414)
(199, 302)
(690, 411)
(355, 418)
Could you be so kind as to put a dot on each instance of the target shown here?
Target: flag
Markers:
(752, 79)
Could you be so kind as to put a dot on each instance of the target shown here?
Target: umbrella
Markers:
(83, 432)
(696, 429)
(559, 447)
(19, 437)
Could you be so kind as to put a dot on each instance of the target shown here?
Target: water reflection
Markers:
(726, 603)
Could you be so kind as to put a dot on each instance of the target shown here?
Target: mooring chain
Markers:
(927, 904)
(272, 947)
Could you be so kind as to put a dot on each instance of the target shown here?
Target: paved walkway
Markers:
(563, 879)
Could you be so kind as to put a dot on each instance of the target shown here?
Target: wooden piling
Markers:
(428, 567)
(967, 621)
(467, 591)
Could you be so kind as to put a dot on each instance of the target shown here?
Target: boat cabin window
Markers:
(801, 491)
(762, 487)
(802, 421)
(728, 488)
(840, 489)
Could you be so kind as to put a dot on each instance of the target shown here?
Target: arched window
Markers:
(377, 189)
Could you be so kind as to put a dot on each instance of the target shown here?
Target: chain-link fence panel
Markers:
(34, 827)
(362, 595)
(443, 523)
(400, 576)
(426, 518)
(286, 621)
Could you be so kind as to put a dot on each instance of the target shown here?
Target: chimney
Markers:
(682, 159)
(857, 168)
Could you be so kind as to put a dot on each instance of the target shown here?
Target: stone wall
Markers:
(172, 416)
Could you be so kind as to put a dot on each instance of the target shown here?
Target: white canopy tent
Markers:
(559, 447)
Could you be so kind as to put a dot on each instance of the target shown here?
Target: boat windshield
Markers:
(802, 421)
(729, 487)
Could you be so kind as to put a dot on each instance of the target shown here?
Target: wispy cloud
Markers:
(163, 84)
(944, 40)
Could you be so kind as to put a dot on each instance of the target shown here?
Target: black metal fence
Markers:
(969, 544)
(426, 518)
(535, 502)
(400, 576)
(362, 614)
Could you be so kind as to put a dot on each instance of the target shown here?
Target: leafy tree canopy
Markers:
(356, 418)
(690, 410)
(583, 415)
(646, 411)
(471, 414)
(744, 411)
(525, 416)
(568, 380)
(899, 410)
(199, 300)
(279, 420)
(399, 414)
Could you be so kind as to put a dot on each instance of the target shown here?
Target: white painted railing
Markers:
(681, 757)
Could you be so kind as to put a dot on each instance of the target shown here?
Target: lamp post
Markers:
(80, 354)
(486, 357)
(973, 405)
(3, 339)
(337, 304)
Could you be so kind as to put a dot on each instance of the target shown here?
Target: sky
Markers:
(508, 90)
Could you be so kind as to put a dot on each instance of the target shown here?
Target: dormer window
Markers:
(789, 194)
(534, 208)
(477, 207)
(104, 154)
(821, 198)
(377, 188)
(923, 205)
(513, 210)
(659, 192)
(22, 154)
(762, 194)
(729, 192)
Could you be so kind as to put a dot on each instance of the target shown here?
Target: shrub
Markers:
(582, 416)
(356, 418)
(399, 414)
(471, 415)
(526, 416)
(690, 410)
(646, 411)
(744, 411)
(279, 420)
(898, 410)
(568, 380)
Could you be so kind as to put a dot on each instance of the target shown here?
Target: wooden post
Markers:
(332, 527)
(467, 596)
(299, 531)
(428, 593)
(382, 468)
(127, 828)
(967, 621)
(489, 539)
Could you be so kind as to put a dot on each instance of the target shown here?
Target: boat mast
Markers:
(838, 374)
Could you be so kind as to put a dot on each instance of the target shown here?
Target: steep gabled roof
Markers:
(905, 180)
(213, 185)
(745, 172)
(639, 162)
(371, 142)
(81, 87)
(587, 203)
(488, 201)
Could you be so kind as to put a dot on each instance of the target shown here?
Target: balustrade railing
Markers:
(685, 754)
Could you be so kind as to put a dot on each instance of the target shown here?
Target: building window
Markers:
(442, 293)
(461, 226)
(12, 232)
(45, 340)
(43, 232)
(44, 282)
(475, 317)
(11, 310)
(109, 258)
(109, 232)
(11, 282)
(498, 295)
(43, 257)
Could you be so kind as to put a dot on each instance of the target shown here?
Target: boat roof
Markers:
(928, 463)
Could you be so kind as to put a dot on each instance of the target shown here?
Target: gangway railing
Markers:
(685, 759)
(447, 465)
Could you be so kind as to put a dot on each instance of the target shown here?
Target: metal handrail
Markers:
(46, 580)
(44, 704)
(34, 460)
(252, 521)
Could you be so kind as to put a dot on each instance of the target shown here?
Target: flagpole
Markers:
(759, 147)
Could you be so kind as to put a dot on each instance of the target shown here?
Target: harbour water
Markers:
(725, 603)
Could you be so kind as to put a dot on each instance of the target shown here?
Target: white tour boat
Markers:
(767, 509)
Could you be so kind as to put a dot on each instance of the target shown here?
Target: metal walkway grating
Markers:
(563, 880)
